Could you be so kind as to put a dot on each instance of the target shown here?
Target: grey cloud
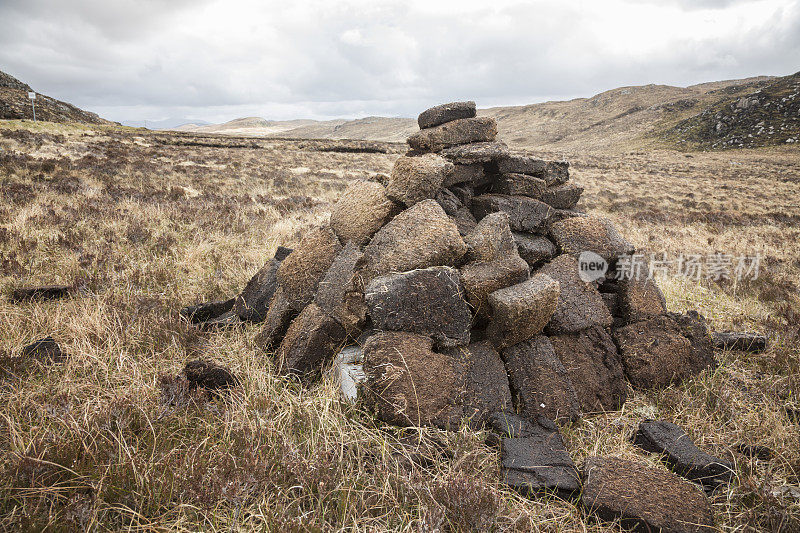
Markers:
(333, 59)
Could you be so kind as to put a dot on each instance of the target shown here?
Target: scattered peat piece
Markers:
(425, 301)
(209, 376)
(740, 341)
(44, 350)
(204, 312)
(762, 453)
(40, 294)
(681, 454)
(534, 460)
(644, 498)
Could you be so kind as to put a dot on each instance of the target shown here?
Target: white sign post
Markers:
(32, 96)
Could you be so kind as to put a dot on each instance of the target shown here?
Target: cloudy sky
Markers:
(220, 59)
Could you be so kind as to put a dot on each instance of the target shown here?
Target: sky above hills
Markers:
(219, 59)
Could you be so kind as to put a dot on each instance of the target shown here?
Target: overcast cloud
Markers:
(221, 59)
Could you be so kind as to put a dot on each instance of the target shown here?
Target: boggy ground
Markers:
(146, 223)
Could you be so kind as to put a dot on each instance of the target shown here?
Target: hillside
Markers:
(15, 105)
(619, 119)
(768, 115)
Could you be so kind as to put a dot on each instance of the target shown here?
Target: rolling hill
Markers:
(622, 118)
(15, 105)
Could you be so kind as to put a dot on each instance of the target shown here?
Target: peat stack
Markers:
(460, 277)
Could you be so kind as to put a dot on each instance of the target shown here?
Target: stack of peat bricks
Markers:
(456, 282)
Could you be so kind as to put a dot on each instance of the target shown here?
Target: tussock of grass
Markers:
(105, 441)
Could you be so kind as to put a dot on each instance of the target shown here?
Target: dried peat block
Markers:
(470, 174)
(537, 461)
(312, 339)
(302, 270)
(521, 311)
(362, 209)
(525, 214)
(681, 454)
(486, 388)
(449, 201)
(563, 196)
(593, 365)
(443, 113)
(639, 297)
(693, 326)
(491, 239)
(476, 152)
(580, 306)
(251, 304)
(425, 301)
(533, 248)
(741, 341)
(340, 293)
(540, 382)
(44, 351)
(408, 384)
(553, 172)
(279, 315)
(579, 234)
(644, 497)
(464, 192)
(199, 313)
(482, 279)
(40, 294)
(209, 376)
(520, 185)
(654, 353)
(461, 131)
(464, 221)
(417, 178)
(419, 237)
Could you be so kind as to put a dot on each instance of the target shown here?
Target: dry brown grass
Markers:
(147, 223)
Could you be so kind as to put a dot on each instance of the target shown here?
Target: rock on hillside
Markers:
(769, 115)
(15, 105)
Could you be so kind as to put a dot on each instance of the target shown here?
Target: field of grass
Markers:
(145, 223)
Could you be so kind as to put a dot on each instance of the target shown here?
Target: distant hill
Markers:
(15, 105)
(768, 115)
(623, 118)
(254, 126)
(175, 123)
